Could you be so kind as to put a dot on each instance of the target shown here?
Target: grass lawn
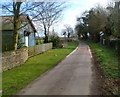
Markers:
(108, 60)
(20, 76)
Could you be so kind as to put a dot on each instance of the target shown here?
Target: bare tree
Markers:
(49, 14)
(17, 9)
(69, 30)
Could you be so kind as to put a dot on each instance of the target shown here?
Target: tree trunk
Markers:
(86, 36)
(16, 11)
(68, 34)
(15, 40)
(15, 35)
(46, 36)
(96, 38)
(46, 39)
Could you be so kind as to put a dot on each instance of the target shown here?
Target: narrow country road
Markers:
(72, 76)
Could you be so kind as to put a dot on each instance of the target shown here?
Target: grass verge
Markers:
(108, 65)
(18, 77)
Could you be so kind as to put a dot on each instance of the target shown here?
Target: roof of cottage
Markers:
(10, 19)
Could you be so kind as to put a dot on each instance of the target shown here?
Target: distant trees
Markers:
(116, 33)
(80, 30)
(96, 22)
(82, 26)
(116, 19)
(92, 23)
(68, 31)
(99, 21)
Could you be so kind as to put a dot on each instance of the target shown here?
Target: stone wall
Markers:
(12, 59)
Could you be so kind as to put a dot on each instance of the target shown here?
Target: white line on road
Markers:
(72, 52)
(90, 51)
(0, 91)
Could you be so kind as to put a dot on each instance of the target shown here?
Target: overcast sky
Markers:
(75, 9)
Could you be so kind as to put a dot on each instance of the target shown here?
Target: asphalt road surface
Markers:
(72, 76)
